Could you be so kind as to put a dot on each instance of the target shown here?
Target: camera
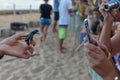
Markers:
(113, 4)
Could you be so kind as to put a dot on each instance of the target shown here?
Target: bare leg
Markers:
(45, 33)
(42, 30)
(54, 26)
(61, 45)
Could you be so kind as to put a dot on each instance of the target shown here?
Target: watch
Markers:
(116, 78)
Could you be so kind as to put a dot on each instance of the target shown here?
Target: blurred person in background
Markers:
(56, 14)
(45, 19)
(65, 9)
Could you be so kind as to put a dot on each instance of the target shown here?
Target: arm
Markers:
(51, 12)
(40, 9)
(113, 43)
(69, 6)
(105, 36)
(80, 45)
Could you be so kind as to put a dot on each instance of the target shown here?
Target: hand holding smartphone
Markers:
(87, 30)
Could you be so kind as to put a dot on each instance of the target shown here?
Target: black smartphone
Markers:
(87, 28)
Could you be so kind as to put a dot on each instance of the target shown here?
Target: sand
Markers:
(47, 63)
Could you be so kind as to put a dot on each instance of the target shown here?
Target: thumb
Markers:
(33, 42)
(20, 35)
(103, 47)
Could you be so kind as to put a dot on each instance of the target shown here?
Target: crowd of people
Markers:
(103, 53)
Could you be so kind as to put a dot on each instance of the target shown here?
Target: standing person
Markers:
(72, 17)
(56, 14)
(45, 19)
(65, 9)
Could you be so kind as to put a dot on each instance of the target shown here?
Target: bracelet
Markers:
(116, 78)
(109, 55)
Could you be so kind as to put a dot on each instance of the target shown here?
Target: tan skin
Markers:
(12, 46)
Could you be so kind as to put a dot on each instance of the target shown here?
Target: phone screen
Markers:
(87, 30)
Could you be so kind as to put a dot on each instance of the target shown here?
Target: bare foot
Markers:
(41, 38)
(63, 48)
(54, 30)
(62, 51)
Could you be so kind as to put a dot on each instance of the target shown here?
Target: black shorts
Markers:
(56, 16)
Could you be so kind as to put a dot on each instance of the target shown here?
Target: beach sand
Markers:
(47, 63)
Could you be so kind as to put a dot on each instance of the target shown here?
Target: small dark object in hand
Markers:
(29, 37)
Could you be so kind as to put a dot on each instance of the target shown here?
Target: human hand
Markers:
(108, 16)
(98, 60)
(12, 46)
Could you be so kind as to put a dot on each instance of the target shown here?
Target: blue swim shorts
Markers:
(45, 22)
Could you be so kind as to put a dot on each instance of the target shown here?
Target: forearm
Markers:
(105, 36)
(78, 48)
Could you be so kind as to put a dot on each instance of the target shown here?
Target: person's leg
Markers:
(54, 26)
(47, 24)
(42, 25)
(62, 32)
(42, 29)
(61, 45)
(56, 18)
(45, 32)
(42, 32)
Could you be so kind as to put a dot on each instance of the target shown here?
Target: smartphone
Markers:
(87, 28)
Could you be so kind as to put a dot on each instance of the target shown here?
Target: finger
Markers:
(103, 47)
(91, 47)
(91, 54)
(27, 54)
(31, 48)
(20, 35)
(93, 59)
(95, 49)
(102, 53)
(101, 9)
(94, 42)
(33, 42)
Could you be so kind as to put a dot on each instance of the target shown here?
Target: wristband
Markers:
(116, 78)
(109, 55)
